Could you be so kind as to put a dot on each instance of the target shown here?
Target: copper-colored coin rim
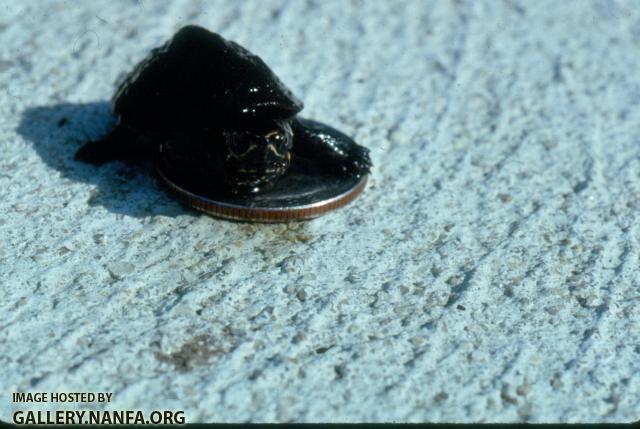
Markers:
(262, 214)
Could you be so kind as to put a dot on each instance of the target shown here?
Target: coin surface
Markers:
(305, 191)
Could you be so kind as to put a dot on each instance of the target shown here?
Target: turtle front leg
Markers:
(120, 143)
(329, 147)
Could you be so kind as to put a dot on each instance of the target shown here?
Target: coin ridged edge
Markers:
(261, 214)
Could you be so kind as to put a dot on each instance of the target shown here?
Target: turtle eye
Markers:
(280, 137)
(274, 136)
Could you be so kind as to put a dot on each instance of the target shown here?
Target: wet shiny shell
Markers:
(200, 81)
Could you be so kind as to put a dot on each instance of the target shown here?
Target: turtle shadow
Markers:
(128, 188)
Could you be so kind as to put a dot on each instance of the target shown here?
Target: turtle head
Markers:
(257, 155)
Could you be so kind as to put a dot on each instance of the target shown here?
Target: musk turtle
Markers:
(218, 114)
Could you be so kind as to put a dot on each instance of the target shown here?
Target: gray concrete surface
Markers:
(488, 273)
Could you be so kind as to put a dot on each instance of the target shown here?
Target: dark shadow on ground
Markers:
(58, 131)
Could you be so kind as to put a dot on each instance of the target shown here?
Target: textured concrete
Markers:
(489, 273)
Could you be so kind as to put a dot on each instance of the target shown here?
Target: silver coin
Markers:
(304, 192)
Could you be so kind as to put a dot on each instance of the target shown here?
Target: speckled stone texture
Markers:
(488, 273)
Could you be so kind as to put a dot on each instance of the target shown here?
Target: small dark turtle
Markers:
(217, 114)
